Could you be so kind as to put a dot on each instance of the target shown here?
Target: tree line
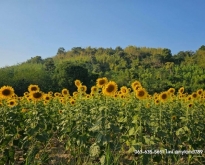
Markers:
(156, 68)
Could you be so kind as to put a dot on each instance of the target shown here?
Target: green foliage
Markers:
(155, 67)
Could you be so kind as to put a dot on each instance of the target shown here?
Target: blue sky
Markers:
(30, 28)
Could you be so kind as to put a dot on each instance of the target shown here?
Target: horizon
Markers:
(39, 28)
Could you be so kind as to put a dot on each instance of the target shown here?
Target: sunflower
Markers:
(94, 89)
(45, 102)
(75, 94)
(57, 94)
(65, 92)
(194, 95)
(82, 88)
(190, 105)
(100, 82)
(199, 92)
(12, 103)
(148, 105)
(181, 90)
(124, 90)
(188, 98)
(174, 117)
(171, 91)
(60, 111)
(141, 93)
(157, 101)
(6, 92)
(33, 88)
(78, 83)
(26, 93)
(46, 97)
(155, 96)
(135, 83)
(92, 94)
(88, 96)
(163, 96)
(137, 87)
(50, 93)
(36, 96)
(72, 101)
(110, 88)
(62, 100)
(122, 96)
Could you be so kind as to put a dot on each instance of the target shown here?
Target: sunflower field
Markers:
(110, 125)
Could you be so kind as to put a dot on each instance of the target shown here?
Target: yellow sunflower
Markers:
(124, 90)
(26, 93)
(94, 89)
(194, 95)
(100, 82)
(135, 83)
(137, 87)
(171, 91)
(12, 103)
(57, 94)
(163, 96)
(62, 100)
(47, 97)
(141, 93)
(45, 102)
(65, 92)
(189, 98)
(78, 83)
(72, 101)
(157, 101)
(181, 90)
(199, 92)
(110, 88)
(6, 92)
(36, 96)
(50, 93)
(174, 117)
(33, 88)
(190, 105)
(88, 96)
(82, 88)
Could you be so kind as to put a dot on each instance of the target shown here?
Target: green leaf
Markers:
(132, 131)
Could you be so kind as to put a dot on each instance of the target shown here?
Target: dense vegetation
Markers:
(156, 68)
(104, 106)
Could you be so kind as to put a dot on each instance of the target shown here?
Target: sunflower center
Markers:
(33, 89)
(194, 95)
(11, 103)
(164, 96)
(37, 95)
(6, 92)
(141, 93)
(102, 82)
(110, 88)
(47, 98)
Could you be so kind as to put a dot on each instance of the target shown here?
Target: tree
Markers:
(35, 60)
(167, 55)
(66, 73)
(202, 47)
(61, 50)
(49, 65)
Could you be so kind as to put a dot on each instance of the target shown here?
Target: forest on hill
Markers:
(156, 68)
